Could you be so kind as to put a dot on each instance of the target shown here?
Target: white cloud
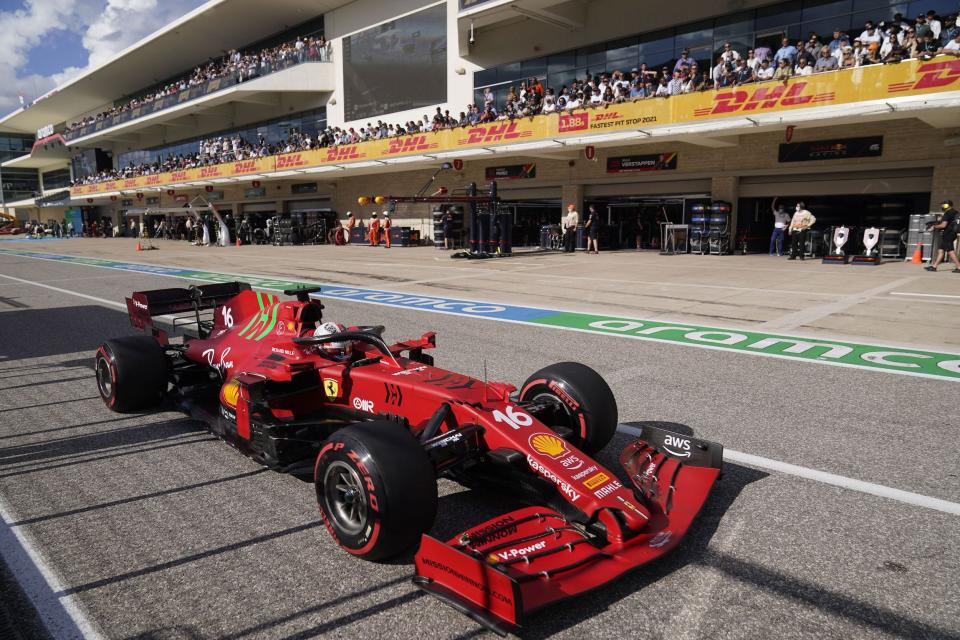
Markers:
(106, 27)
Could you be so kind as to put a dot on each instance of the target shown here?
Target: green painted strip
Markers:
(886, 359)
(851, 354)
(253, 316)
(273, 323)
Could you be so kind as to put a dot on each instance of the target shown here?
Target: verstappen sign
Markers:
(876, 82)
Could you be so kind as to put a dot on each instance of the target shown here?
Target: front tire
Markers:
(376, 489)
(131, 373)
(581, 403)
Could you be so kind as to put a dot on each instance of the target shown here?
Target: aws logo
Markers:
(932, 75)
(345, 152)
(494, 133)
(764, 98)
(245, 167)
(410, 143)
(209, 172)
(290, 161)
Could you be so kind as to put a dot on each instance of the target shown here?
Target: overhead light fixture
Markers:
(284, 174)
(404, 159)
(364, 163)
(528, 146)
(548, 18)
(323, 169)
(477, 151)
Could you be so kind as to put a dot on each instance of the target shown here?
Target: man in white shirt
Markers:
(729, 54)
(934, 24)
(781, 219)
(870, 34)
(952, 48)
(570, 229)
(765, 71)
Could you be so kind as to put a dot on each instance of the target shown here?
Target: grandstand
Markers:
(271, 109)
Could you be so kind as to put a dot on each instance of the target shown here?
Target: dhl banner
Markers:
(862, 84)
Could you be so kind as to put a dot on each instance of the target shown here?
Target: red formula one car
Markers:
(377, 424)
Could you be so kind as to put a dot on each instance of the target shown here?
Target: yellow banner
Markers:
(875, 82)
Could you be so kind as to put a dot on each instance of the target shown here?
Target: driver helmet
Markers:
(336, 350)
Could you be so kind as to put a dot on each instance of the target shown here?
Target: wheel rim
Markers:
(560, 413)
(104, 378)
(345, 498)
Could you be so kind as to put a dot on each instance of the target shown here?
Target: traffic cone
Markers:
(917, 255)
(139, 248)
(238, 241)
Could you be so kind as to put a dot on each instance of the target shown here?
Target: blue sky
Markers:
(46, 43)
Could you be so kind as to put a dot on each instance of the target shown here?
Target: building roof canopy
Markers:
(207, 32)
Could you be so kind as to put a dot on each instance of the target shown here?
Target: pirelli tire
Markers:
(376, 489)
(131, 373)
(583, 403)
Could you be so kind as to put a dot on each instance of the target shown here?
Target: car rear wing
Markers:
(143, 306)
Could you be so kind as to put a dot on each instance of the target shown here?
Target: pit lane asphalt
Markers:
(160, 531)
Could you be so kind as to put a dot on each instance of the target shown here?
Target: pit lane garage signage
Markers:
(632, 164)
(869, 147)
(887, 359)
(863, 84)
(512, 172)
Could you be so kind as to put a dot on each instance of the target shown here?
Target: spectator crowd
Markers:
(242, 66)
(924, 37)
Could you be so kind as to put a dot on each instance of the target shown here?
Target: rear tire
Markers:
(376, 489)
(584, 403)
(131, 373)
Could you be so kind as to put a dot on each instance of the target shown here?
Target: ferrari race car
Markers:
(375, 425)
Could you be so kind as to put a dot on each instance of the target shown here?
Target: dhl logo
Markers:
(209, 172)
(574, 122)
(132, 182)
(932, 75)
(110, 186)
(609, 115)
(245, 167)
(763, 98)
(411, 143)
(494, 133)
(153, 179)
(292, 160)
(345, 152)
(176, 176)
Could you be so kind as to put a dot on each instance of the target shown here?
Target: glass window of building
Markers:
(19, 184)
(745, 30)
(271, 132)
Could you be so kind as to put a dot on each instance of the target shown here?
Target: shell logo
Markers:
(548, 445)
(230, 394)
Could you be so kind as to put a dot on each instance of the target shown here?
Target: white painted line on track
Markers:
(924, 295)
(660, 317)
(710, 347)
(729, 454)
(814, 313)
(915, 499)
(61, 614)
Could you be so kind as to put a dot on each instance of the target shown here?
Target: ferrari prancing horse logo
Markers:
(331, 387)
